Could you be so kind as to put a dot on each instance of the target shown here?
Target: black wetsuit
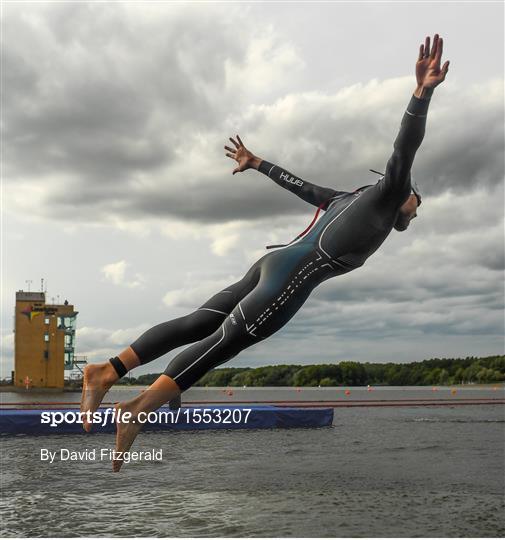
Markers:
(275, 287)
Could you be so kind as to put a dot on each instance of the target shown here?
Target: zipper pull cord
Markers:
(305, 231)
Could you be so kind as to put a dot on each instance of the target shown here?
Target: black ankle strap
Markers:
(118, 366)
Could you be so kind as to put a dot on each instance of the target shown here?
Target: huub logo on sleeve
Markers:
(291, 179)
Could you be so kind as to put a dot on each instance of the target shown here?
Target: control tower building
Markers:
(44, 341)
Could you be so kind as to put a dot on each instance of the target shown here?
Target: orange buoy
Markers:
(453, 391)
(347, 392)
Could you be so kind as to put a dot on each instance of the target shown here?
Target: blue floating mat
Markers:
(62, 421)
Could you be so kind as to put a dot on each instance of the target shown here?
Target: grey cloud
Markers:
(337, 138)
(465, 143)
(102, 105)
(219, 201)
(217, 197)
(382, 319)
(100, 343)
(154, 100)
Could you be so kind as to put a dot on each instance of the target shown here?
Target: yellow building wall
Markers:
(30, 345)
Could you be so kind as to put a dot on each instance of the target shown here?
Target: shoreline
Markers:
(484, 386)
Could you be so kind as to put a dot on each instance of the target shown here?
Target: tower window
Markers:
(46, 336)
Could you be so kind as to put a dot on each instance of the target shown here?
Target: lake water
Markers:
(236, 395)
(402, 471)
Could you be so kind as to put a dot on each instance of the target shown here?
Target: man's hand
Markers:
(429, 74)
(244, 158)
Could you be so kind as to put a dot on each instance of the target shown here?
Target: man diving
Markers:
(353, 227)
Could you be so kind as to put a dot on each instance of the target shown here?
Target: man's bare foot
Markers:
(98, 378)
(126, 432)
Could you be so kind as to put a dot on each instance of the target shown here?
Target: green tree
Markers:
(443, 377)
(432, 371)
(353, 373)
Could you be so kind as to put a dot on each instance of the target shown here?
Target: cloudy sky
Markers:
(117, 192)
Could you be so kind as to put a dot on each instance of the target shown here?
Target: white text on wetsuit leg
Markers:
(291, 179)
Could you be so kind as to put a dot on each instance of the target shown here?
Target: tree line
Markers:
(435, 371)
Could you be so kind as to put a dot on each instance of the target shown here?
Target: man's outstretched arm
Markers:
(307, 191)
(429, 74)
